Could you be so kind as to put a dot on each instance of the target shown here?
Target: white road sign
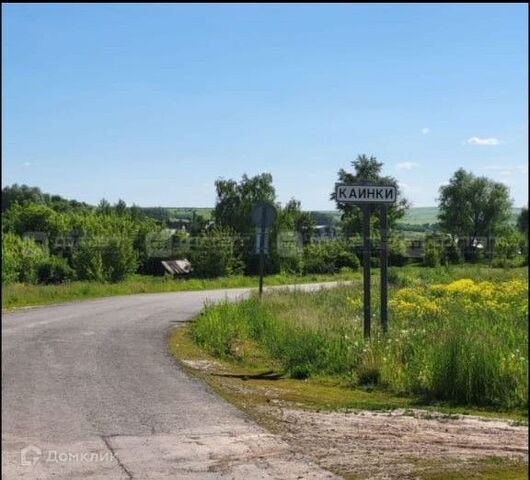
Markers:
(365, 194)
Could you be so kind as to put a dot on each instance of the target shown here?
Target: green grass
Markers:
(485, 470)
(421, 215)
(244, 384)
(24, 295)
(443, 345)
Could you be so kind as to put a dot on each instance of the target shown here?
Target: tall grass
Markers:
(22, 294)
(460, 341)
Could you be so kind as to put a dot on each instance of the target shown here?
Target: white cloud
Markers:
(406, 166)
(26, 164)
(482, 141)
(425, 131)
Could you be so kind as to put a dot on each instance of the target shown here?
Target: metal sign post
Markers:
(365, 196)
(263, 215)
(384, 267)
(366, 269)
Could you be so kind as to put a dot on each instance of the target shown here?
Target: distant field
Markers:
(414, 216)
(186, 212)
(421, 215)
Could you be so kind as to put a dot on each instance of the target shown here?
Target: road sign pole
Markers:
(261, 252)
(366, 268)
(384, 268)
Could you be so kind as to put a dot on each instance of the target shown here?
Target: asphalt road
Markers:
(89, 390)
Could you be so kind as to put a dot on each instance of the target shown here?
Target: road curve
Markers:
(89, 390)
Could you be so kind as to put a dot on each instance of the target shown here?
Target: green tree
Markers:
(299, 221)
(33, 217)
(235, 200)
(20, 194)
(233, 210)
(20, 259)
(522, 221)
(368, 169)
(216, 255)
(471, 207)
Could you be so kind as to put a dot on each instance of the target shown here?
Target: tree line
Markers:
(49, 239)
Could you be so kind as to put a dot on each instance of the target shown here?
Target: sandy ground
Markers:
(398, 444)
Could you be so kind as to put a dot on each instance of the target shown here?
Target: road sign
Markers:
(259, 238)
(365, 196)
(263, 214)
(365, 193)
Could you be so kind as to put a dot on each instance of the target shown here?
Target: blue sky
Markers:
(152, 103)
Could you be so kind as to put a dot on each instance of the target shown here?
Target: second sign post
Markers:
(365, 196)
(263, 216)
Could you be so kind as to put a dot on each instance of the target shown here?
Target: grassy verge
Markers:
(24, 295)
(254, 389)
(462, 342)
(251, 385)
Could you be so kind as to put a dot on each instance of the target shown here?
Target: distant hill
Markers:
(414, 216)
(422, 215)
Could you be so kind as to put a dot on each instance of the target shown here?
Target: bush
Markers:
(54, 270)
(215, 256)
(431, 255)
(328, 257)
(101, 259)
(20, 258)
(87, 261)
(397, 252)
(451, 254)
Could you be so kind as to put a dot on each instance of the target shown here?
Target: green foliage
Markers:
(432, 254)
(54, 270)
(471, 207)
(522, 221)
(508, 245)
(235, 200)
(23, 194)
(451, 253)
(17, 295)
(397, 251)
(328, 257)
(33, 217)
(215, 255)
(368, 169)
(233, 210)
(105, 258)
(464, 342)
(20, 259)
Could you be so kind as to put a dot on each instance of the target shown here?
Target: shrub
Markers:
(328, 257)
(20, 258)
(102, 259)
(397, 252)
(119, 259)
(451, 254)
(88, 262)
(215, 256)
(54, 270)
(431, 255)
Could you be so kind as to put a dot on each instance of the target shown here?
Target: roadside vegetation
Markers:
(17, 295)
(457, 336)
(54, 249)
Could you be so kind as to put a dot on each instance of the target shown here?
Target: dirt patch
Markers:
(400, 444)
